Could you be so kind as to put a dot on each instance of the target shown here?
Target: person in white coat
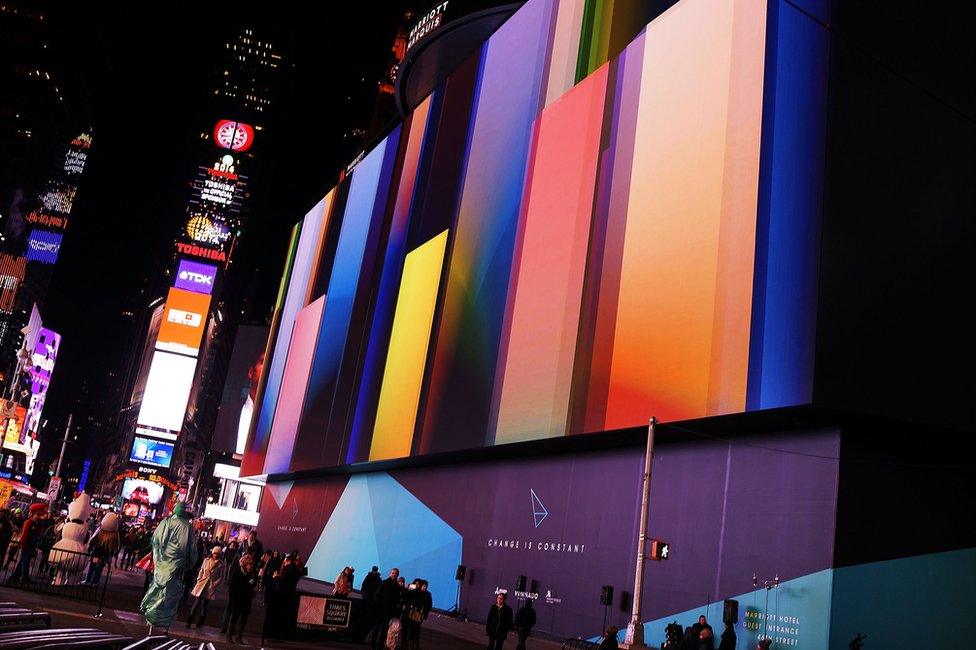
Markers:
(208, 579)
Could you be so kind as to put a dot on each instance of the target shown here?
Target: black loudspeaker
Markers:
(730, 612)
(520, 583)
(459, 575)
(606, 595)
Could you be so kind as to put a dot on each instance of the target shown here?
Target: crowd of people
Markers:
(397, 610)
(699, 636)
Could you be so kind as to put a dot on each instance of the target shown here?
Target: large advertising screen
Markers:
(195, 276)
(676, 279)
(142, 491)
(240, 388)
(151, 452)
(167, 391)
(43, 246)
(184, 320)
(42, 361)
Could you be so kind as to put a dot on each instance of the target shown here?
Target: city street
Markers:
(120, 615)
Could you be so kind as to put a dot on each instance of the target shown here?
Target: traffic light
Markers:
(660, 550)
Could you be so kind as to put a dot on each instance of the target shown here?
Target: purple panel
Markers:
(195, 276)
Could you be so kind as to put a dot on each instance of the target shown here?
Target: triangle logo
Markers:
(539, 512)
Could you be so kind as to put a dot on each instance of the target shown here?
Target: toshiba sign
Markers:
(201, 251)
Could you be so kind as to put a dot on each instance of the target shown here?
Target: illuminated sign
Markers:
(151, 452)
(74, 161)
(205, 230)
(184, 316)
(167, 391)
(47, 220)
(43, 246)
(427, 23)
(218, 189)
(13, 427)
(195, 276)
(40, 370)
(142, 491)
(232, 135)
(201, 251)
(59, 199)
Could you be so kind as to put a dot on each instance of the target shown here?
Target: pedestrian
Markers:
(728, 638)
(7, 532)
(370, 584)
(30, 536)
(173, 552)
(241, 582)
(253, 546)
(387, 604)
(343, 583)
(190, 576)
(706, 641)
(271, 567)
(411, 615)
(209, 577)
(499, 623)
(524, 622)
(282, 614)
(426, 600)
(102, 547)
(609, 641)
(701, 625)
(231, 552)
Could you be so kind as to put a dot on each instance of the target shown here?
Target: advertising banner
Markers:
(142, 491)
(151, 452)
(195, 276)
(183, 322)
(43, 246)
(167, 391)
(237, 400)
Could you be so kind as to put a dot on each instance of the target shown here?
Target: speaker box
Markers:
(730, 612)
(606, 595)
(459, 575)
(520, 583)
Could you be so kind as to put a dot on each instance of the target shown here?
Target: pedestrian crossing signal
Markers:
(660, 550)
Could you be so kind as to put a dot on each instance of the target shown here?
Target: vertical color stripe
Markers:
(685, 225)
(403, 375)
(293, 383)
(547, 285)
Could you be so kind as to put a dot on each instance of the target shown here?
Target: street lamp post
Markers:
(635, 630)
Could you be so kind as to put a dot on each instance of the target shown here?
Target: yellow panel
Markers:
(407, 356)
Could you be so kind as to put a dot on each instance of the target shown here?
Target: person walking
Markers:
(102, 548)
(30, 537)
(386, 607)
(173, 551)
(370, 584)
(499, 623)
(209, 577)
(524, 622)
(241, 582)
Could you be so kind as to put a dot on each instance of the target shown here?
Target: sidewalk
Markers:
(121, 615)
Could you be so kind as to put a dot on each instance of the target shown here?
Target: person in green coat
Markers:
(174, 551)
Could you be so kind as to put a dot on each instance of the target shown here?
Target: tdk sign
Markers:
(195, 276)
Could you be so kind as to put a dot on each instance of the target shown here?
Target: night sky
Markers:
(147, 70)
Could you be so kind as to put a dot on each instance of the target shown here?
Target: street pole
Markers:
(64, 443)
(635, 630)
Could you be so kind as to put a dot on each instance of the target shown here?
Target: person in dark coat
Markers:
(524, 622)
(271, 567)
(706, 641)
(6, 531)
(282, 614)
(371, 583)
(387, 608)
(728, 638)
(240, 592)
(499, 623)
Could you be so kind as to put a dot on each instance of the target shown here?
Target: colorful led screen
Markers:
(184, 320)
(167, 391)
(592, 221)
(151, 452)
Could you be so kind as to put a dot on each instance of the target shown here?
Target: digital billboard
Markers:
(142, 491)
(40, 370)
(184, 319)
(195, 276)
(240, 388)
(43, 246)
(151, 452)
(167, 391)
(469, 298)
(236, 136)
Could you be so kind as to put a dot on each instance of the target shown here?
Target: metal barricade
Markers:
(70, 574)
